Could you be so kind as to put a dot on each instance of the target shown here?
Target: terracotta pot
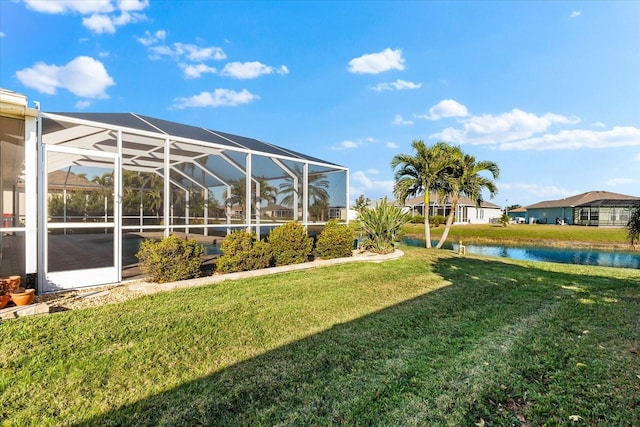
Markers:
(11, 283)
(4, 300)
(23, 298)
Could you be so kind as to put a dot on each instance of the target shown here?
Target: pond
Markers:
(598, 257)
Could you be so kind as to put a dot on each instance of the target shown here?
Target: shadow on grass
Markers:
(435, 359)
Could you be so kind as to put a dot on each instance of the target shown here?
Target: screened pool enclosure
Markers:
(81, 190)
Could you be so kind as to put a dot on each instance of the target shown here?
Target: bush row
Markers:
(287, 244)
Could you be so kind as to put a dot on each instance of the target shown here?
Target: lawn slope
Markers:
(430, 339)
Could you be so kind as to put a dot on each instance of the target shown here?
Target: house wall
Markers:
(549, 215)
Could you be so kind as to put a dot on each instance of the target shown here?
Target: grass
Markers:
(529, 234)
(430, 339)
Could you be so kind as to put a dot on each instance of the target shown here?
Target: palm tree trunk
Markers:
(445, 233)
(427, 228)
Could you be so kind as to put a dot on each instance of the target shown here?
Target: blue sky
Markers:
(548, 90)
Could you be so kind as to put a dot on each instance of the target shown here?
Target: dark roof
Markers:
(151, 124)
(584, 199)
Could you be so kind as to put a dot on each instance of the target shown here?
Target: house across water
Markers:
(593, 208)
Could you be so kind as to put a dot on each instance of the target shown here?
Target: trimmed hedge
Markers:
(170, 259)
(290, 244)
(242, 251)
(335, 241)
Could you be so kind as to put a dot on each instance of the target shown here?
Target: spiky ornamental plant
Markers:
(381, 226)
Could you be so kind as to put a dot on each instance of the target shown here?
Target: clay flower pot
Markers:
(4, 300)
(10, 283)
(22, 296)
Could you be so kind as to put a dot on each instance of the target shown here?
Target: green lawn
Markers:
(429, 339)
(527, 233)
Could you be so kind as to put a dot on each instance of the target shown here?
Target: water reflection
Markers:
(560, 255)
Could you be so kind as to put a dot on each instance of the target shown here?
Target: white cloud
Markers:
(397, 85)
(55, 7)
(250, 70)
(83, 76)
(638, 157)
(104, 16)
(575, 14)
(374, 63)
(190, 52)
(445, 108)
(619, 136)
(538, 191)
(151, 39)
(372, 188)
(81, 105)
(217, 98)
(346, 145)
(398, 120)
(599, 125)
(196, 71)
(618, 181)
(392, 145)
(507, 127)
(2, 34)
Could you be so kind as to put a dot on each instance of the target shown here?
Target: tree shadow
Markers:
(413, 356)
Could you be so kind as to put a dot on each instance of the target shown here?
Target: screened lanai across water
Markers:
(108, 180)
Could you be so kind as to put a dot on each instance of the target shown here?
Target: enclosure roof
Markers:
(582, 200)
(179, 130)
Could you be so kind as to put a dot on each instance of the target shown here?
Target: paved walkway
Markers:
(149, 287)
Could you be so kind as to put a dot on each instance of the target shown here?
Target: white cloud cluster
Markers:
(443, 109)
(104, 16)
(375, 63)
(397, 85)
(373, 188)
(400, 121)
(521, 130)
(539, 191)
(192, 59)
(186, 51)
(217, 98)
(575, 14)
(251, 70)
(83, 76)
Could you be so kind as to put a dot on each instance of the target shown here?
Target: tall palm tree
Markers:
(268, 192)
(464, 179)
(318, 186)
(422, 173)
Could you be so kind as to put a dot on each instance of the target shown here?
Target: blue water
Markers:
(536, 253)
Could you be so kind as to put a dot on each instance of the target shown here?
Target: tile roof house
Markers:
(593, 208)
(466, 210)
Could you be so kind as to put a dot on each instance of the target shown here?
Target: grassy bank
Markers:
(540, 234)
(430, 339)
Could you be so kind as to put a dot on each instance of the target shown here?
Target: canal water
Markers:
(536, 253)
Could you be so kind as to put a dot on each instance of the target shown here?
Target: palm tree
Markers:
(318, 185)
(464, 179)
(633, 226)
(268, 192)
(422, 173)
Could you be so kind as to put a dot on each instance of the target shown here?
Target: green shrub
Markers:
(335, 241)
(290, 244)
(242, 251)
(437, 220)
(170, 259)
(381, 226)
(417, 219)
